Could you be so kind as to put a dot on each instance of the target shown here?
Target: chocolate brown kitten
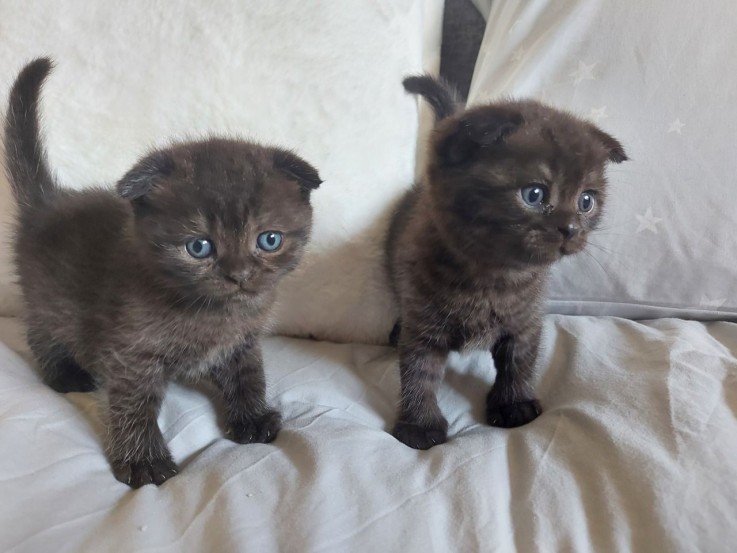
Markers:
(510, 188)
(172, 276)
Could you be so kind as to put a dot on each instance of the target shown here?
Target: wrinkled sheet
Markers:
(635, 452)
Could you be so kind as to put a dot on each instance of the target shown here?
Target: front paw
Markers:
(421, 436)
(261, 429)
(514, 414)
(148, 471)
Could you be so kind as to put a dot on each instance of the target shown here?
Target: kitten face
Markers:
(223, 221)
(520, 182)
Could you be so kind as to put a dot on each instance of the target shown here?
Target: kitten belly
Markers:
(462, 337)
(193, 349)
(187, 347)
(465, 324)
(193, 369)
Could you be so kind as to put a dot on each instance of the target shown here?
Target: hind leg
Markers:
(58, 368)
(67, 376)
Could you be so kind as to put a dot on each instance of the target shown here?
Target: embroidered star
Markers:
(585, 72)
(597, 114)
(648, 221)
(676, 126)
(518, 54)
(715, 303)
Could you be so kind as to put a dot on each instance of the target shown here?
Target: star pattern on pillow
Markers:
(584, 72)
(676, 126)
(714, 303)
(648, 221)
(597, 114)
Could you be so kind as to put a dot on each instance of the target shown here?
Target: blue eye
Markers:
(270, 241)
(199, 248)
(586, 202)
(534, 194)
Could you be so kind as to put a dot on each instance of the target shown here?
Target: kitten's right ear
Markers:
(615, 148)
(298, 169)
(476, 130)
(139, 181)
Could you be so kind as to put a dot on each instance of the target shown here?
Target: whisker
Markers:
(598, 263)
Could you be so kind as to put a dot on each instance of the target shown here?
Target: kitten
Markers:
(510, 188)
(172, 276)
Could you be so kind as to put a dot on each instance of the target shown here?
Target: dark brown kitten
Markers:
(510, 188)
(173, 276)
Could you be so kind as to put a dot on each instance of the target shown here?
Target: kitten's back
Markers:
(64, 253)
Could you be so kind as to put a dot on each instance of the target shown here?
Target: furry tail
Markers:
(25, 159)
(443, 98)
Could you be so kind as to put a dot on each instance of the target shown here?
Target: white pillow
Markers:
(658, 75)
(322, 77)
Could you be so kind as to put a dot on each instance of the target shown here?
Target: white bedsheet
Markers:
(635, 452)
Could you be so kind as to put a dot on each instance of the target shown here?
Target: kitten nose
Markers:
(569, 231)
(238, 278)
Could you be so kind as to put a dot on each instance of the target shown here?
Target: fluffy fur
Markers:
(113, 297)
(468, 258)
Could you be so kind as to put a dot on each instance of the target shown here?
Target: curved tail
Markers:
(443, 98)
(25, 158)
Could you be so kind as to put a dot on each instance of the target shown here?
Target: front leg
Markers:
(240, 378)
(135, 446)
(421, 425)
(511, 401)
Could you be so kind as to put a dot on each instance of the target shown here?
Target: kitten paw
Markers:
(419, 436)
(262, 430)
(511, 415)
(150, 471)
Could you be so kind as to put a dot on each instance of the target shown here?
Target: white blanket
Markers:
(635, 452)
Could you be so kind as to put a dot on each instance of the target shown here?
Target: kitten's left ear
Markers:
(462, 140)
(139, 180)
(616, 150)
(298, 169)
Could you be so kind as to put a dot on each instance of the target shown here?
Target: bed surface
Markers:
(635, 451)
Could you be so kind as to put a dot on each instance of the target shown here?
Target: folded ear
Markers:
(486, 128)
(138, 182)
(298, 169)
(616, 150)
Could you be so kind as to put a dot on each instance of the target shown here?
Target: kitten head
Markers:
(519, 183)
(221, 220)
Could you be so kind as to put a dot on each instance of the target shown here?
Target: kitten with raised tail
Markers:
(172, 275)
(509, 189)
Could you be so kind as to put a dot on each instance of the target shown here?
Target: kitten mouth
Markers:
(237, 294)
(246, 292)
(569, 249)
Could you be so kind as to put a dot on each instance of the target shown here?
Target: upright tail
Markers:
(25, 158)
(443, 98)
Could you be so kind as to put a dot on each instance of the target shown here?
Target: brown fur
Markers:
(114, 298)
(468, 259)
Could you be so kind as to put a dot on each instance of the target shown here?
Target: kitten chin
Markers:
(509, 189)
(171, 275)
